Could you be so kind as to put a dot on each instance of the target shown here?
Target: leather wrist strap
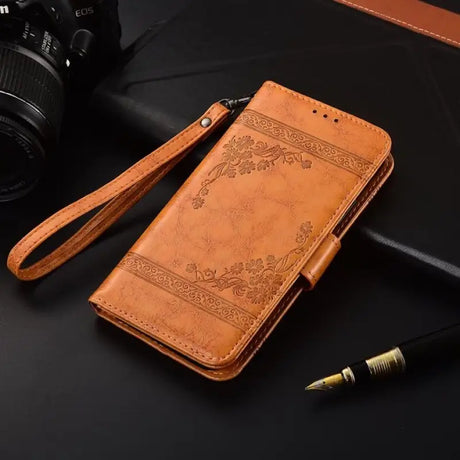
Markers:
(118, 196)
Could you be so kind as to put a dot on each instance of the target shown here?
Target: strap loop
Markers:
(118, 196)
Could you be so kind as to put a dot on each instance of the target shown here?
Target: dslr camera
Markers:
(45, 47)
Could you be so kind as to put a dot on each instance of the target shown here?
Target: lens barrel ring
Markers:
(28, 77)
(26, 150)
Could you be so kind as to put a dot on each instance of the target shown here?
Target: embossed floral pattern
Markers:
(254, 266)
(244, 155)
(159, 276)
(258, 279)
(303, 141)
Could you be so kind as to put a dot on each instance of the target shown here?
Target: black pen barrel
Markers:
(434, 348)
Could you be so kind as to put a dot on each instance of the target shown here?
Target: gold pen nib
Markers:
(327, 383)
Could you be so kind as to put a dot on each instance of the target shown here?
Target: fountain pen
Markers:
(431, 349)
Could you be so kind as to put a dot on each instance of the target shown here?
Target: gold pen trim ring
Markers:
(390, 362)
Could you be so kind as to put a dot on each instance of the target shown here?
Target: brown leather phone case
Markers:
(256, 223)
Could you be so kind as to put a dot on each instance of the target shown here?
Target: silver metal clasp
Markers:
(233, 104)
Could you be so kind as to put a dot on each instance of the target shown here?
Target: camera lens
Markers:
(31, 103)
(21, 159)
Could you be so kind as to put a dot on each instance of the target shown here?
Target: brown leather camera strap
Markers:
(118, 196)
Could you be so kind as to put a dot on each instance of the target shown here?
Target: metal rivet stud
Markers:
(205, 122)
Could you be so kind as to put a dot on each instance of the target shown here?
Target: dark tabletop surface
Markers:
(74, 387)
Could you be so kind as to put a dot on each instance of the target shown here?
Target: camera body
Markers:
(87, 32)
(46, 46)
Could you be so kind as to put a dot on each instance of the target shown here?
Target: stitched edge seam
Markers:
(255, 344)
(399, 21)
(357, 207)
